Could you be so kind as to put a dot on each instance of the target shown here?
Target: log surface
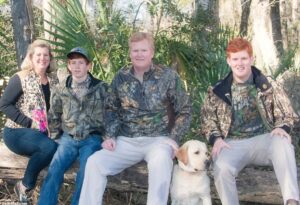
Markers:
(254, 184)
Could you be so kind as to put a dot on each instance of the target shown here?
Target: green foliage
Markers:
(287, 62)
(38, 22)
(2, 2)
(114, 37)
(7, 47)
(107, 46)
(70, 29)
(197, 53)
(208, 71)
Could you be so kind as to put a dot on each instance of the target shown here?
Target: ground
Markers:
(8, 197)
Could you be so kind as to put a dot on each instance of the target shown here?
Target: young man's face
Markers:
(79, 68)
(141, 54)
(240, 64)
(40, 59)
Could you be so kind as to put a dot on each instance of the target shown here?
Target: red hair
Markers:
(239, 44)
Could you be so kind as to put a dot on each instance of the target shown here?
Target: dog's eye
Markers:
(197, 152)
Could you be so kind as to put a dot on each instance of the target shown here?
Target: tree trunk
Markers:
(245, 17)
(22, 27)
(276, 26)
(296, 30)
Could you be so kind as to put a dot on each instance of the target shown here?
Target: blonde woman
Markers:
(25, 103)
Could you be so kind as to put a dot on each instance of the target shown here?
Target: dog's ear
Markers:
(182, 155)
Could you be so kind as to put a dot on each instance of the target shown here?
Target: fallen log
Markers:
(254, 184)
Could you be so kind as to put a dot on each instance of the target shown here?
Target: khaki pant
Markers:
(259, 150)
(130, 151)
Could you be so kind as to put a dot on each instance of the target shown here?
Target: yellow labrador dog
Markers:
(190, 182)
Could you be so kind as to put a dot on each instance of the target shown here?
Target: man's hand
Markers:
(281, 133)
(109, 144)
(218, 146)
(174, 146)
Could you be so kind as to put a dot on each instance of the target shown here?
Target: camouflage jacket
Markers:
(143, 109)
(75, 117)
(273, 106)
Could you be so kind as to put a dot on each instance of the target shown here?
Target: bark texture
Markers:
(22, 20)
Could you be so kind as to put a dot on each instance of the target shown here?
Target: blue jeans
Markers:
(33, 144)
(67, 152)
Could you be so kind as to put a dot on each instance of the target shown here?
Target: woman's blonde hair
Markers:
(27, 64)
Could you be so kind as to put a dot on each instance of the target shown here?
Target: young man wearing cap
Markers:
(76, 119)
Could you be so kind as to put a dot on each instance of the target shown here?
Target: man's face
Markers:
(240, 64)
(78, 68)
(141, 54)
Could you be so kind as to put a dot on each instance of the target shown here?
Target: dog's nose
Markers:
(196, 170)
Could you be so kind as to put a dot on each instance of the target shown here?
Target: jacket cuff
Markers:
(213, 138)
(286, 128)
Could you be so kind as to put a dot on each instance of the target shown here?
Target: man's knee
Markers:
(96, 164)
(160, 155)
(223, 169)
(280, 145)
(91, 162)
(162, 160)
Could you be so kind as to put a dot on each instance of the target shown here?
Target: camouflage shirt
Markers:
(246, 120)
(272, 103)
(159, 106)
(78, 118)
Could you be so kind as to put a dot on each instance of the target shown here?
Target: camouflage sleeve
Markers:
(182, 108)
(209, 119)
(112, 106)
(284, 113)
(55, 113)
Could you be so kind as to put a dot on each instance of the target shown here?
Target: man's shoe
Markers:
(292, 202)
(21, 193)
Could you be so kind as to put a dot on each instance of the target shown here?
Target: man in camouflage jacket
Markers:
(144, 94)
(247, 118)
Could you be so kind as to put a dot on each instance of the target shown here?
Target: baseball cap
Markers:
(80, 51)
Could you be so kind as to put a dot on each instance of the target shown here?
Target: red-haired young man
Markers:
(247, 118)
